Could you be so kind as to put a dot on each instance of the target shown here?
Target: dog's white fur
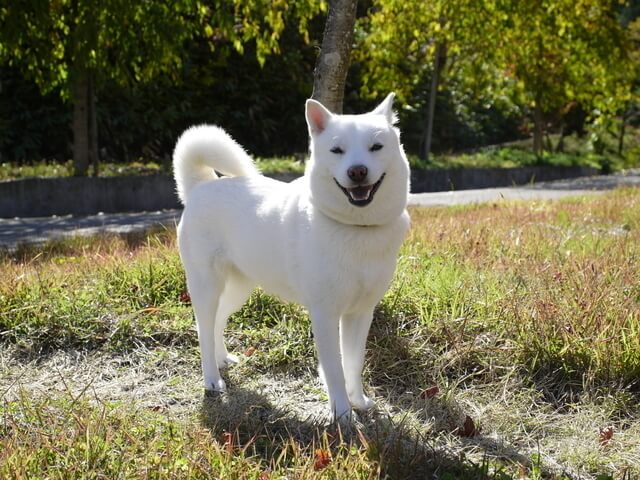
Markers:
(303, 241)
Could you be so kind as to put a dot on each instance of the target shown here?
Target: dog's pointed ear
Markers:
(386, 108)
(317, 116)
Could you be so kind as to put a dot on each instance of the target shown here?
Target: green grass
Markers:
(577, 152)
(510, 157)
(44, 169)
(281, 164)
(525, 316)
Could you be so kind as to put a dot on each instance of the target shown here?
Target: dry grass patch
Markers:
(506, 347)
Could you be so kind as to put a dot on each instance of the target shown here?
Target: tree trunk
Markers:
(85, 135)
(332, 65)
(560, 145)
(80, 124)
(623, 128)
(538, 128)
(94, 160)
(431, 106)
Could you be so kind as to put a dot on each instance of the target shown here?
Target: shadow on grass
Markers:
(401, 452)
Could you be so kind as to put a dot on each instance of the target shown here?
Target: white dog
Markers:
(328, 240)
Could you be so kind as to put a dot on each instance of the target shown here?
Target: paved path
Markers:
(14, 232)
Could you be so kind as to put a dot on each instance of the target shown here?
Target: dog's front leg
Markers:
(354, 329)
(325, 326)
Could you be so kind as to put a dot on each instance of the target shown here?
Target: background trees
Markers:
(78, 47)
(541, 57)
(467, 73)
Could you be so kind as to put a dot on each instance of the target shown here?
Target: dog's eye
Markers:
(337, 150)
(375, 147)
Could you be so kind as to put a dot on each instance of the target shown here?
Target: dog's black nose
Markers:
(357, 173)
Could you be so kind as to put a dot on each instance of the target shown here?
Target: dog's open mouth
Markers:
(362, 195)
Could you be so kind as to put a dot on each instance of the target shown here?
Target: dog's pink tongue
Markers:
(360, 193)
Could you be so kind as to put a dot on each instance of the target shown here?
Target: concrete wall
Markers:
(470, 178)
(39, 197)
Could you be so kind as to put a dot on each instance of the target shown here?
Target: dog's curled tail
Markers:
(201, 151)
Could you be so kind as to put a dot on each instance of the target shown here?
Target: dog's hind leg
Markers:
(236, 291)
(354, 329)
(205, 287)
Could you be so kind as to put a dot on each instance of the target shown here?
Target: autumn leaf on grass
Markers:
(185, 297)
(430, 392)
(266, 475)
(249, 351)
(150, 310)
(468, 428)
(227, 441)
(321, 460)
(606, 435)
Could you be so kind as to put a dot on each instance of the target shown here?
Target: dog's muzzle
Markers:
(361, 195)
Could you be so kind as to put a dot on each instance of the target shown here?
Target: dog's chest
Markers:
(354, 265)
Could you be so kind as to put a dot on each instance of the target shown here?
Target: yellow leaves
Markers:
(321, 460)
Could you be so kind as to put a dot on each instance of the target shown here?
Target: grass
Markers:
(45, 169)
(512, 157)
(577, 152)
(508, 346)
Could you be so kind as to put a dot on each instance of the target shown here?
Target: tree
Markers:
(333, 61)
(77, 46)
(446, 41)
(542, 55)
(565, 51)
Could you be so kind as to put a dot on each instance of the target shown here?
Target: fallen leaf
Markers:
(151, 310)
(468, 429)
(523, 472)
(249, 351)
(430, 392)
(185, 297)
(321, 460)
(227, 441)
(606, 435)
(266, 475)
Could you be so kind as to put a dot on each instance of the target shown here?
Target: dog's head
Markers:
(358, 172)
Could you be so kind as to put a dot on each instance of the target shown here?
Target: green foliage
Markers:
(130, 42)
(262, 107)
(53, 41)
(563, 51)
(510, 55)
(140, 54)
(162, 66)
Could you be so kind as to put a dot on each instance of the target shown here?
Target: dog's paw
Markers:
(227, 360)
(341, 412)
(362, 402)
(218, 386)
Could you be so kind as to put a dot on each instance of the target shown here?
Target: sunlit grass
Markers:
(525, 316)
(46, 169)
